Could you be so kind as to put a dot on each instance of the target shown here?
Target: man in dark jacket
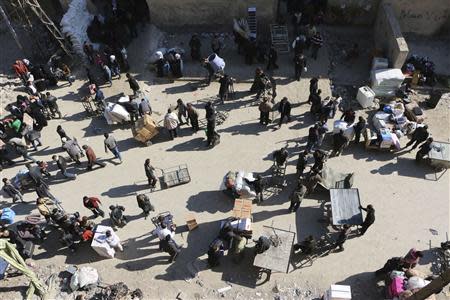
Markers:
(273, 57)
(296, 197)
(339, 142)
(359, 127)
(144, 204)
(224, 86)
(316, 44)
(302, 162)
(419, 136)
(258, 185)
(150, 173)
(193, 116)
(196, 46)
(316, 102)
(369, 220)
(265, 107)
(61, 162)
(284, 109)
(168, 245)
(313, 137)
(92, 158)
(210, 124)
(133, 83)
(299, 64)
(423, 150)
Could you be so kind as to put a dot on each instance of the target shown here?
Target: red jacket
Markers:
(91, 202)
(20, 68)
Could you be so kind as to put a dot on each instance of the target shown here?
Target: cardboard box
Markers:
(191, 222)
(338, 292)
(242, 208)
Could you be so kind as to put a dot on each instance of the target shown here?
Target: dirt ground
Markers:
(412, 206)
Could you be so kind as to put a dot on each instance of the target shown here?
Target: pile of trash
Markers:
(424, 66)
(74, 24)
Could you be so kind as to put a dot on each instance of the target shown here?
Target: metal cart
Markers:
(278, 256)
(221, 117)
(92, 107)
(174, 176)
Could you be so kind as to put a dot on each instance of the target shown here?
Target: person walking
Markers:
(273, 57)
(111, 145)
(93, 204)
(359, 127)
(193, 116)
(313, 137)
(418, 136)
(285, 110)
(316, 102)
(369, 220)
(144, 203)
(265, 107)
(339, 143)
(195, 44)
(300, 65)
(21, 148)
(12, 191)
(342, 237)
(134, 85)
(61, 162)
(423, 150)
(145, 108)
(258, 185)
(210, 124)
(150, 173)
(182, 112)
(169, 246)
(171, 123)
(114, 66)
(107, 74)
(224, 87)
(313, 86)
(316, 44)
(302, 162)
(296, 197)
(92, 158)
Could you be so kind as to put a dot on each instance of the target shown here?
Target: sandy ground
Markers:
(409, 201)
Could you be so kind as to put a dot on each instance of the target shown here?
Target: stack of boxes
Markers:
(145, 129)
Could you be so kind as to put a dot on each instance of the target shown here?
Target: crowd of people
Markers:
(29, 115)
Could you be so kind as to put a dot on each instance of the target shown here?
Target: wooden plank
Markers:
(345, 207)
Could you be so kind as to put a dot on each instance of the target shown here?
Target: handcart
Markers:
(221, 117)
(92, 107)
(278, 256)
(345, 208)
(278, 178)
(174, 176)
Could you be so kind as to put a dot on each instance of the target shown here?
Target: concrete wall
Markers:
(211, 13)
(388, 36)
(425, 17)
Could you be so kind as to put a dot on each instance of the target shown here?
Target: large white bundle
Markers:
(217, 63)
(387, 77)
(74, 24)
(115, 113)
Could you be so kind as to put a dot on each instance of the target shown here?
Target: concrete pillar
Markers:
(388, 36)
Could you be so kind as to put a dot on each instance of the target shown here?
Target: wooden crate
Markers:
(191, 222)
(242, 208)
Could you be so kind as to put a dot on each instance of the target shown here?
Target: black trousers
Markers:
(294, 205)
(283, 115)
(194, 123)
(298, 72)
(264, 118)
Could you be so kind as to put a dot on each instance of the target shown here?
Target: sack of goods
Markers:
(145, 129)
(217, 63)
(385, 82)
(116, 113)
